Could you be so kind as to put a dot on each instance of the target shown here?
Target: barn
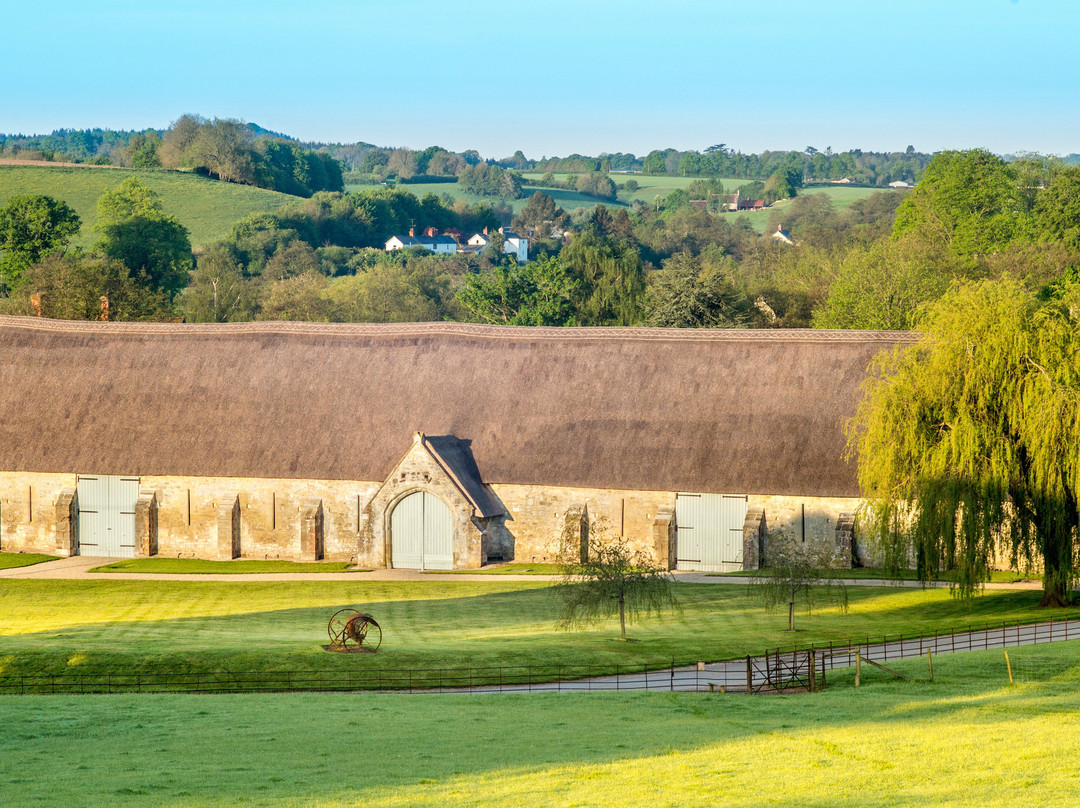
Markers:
(423, 446)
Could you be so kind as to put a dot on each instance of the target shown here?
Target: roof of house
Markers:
(735, 411)
(423, 241)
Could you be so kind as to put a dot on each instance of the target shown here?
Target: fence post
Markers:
(858, 666)
(749, 677)
(1008, 667)
(813, 669)
(672, 685)
(930, 662)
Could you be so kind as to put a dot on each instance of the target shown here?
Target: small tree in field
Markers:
(613, 579)
(798, 570)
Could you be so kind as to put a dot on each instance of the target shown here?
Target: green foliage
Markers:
(612, 579)
(881, 287)
(696, 292)
(534, 293)
(798, 570)
(970, 201)
(541, 216)
(595, 183)
(972, 438)
(609, 280)
(219, 291)
(32, 227)
(136, 230)
(490, 180)
(88, 287)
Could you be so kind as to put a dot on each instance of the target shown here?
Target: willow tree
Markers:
(968, 443)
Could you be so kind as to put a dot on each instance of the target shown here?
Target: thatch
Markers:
(649, 409)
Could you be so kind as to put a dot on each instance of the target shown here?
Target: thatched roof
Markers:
(651, 409)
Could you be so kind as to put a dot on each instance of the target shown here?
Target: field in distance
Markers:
(968, 738)
(206, 207)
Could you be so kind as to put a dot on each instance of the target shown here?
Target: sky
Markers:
(553, 77)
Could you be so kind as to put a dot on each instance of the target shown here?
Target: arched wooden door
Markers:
(421, 533)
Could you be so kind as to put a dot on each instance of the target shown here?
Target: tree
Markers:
(881, 287)
(541, 216)
(536, 293)
(610, 280)
(219, 292)
(31, 227)
(612, 579)
(969, 441)
(694, 292)
(136, 230)
(87, 287)
(967, 200)
(798, 570)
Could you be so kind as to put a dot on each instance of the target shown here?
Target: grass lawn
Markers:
(507, 569)
(866, 573)
(107, 626)
(206, 207)
(968, 739)
(11, 560)
(192, 566)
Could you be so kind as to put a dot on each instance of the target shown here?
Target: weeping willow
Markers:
(968, 443)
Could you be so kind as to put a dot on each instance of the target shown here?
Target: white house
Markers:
(431, 240)
(782, 235)
(513, 244)
(901, 184)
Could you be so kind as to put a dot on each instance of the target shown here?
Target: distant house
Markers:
(513, 244)
(729, 201)
(431, 240)
(901, 184)
(782, 235)
(844, 181)
(751, 204)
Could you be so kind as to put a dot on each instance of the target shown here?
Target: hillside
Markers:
(206, 207)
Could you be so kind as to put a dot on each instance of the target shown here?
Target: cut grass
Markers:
(117, 626)
(968, 739)
(869, 574)
(540, 568)
(206, 207)
(11, 560)
(199, 566)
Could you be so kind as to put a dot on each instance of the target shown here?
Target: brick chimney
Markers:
(431, 232)
(485, 231)
(412, 231)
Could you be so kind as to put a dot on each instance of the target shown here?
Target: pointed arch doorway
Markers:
(421, 533)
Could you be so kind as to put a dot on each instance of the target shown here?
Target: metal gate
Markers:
(709, 534)
(107, 515)
(422, 533)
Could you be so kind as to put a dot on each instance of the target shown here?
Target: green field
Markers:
(967, 739)
(11, 560)
(200, 566)
(198, 626)
(206, 207)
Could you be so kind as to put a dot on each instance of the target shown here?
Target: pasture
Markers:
(206, 207)
(967, 739)
(164, 626)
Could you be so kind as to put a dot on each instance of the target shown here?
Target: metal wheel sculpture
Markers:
(350, 629)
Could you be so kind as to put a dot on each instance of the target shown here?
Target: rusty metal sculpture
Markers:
(352, 630)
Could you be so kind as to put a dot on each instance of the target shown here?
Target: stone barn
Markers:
(424, 446)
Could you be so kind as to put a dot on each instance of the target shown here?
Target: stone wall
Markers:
(537, 516)
(28, 512)
(294, 519)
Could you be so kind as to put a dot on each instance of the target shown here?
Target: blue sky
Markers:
(559, 76)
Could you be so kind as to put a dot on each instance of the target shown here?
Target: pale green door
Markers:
(421, 533)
